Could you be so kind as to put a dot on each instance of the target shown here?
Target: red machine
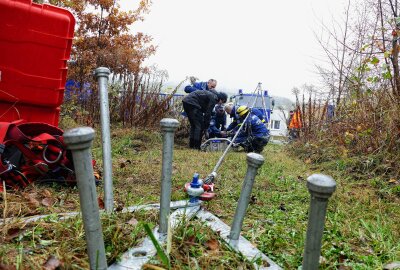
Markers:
(35, 44)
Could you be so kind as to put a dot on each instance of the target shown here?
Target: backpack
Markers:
(32, 152)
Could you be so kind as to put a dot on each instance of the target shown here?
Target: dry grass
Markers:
(362, 224)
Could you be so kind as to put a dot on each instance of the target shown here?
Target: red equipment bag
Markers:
(35, 44)
(33, 152)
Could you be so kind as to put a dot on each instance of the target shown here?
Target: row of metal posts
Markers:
(79, 141)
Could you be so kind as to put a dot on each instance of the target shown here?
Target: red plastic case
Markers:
(10, 112)
(35, 44)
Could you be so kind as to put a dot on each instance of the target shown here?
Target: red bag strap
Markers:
(4, 126)
(41, 144)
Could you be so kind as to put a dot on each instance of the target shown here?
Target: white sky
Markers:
(239, 43)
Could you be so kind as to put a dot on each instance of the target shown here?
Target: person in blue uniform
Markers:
(234, 112)
(254, 135)
(217, 123)
(210, 85)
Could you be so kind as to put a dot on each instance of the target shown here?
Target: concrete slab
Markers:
(242, 245)
(136, 257)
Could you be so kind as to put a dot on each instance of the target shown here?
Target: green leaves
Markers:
(160, 252)
(374, 60)
(387, 75)
(373, 79)
(387, 54)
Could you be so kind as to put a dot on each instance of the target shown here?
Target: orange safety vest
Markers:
(296, 120)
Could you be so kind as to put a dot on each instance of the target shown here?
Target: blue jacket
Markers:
(252, 127)
(220, 117)
(196, 86)
(259, 114)
(217, 124)
(213, 129)
(236, 118)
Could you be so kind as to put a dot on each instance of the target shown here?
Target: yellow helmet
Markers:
(242, 110)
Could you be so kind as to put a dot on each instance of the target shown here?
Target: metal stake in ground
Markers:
(321, 187)
(254, 161)
(168, 127)
(102, 74)
(79, 140)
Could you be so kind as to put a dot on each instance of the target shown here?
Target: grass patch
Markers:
(362, 224)
(29, 246)
(196, 246)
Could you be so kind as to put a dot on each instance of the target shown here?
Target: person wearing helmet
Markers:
(198, 106)
(254, 134)
(210, 85)
(235, 115)
(217, 123)
(243, 109)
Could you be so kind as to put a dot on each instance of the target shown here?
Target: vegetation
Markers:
(355, 117)
(350, 130)
(104, 38)
(362, 225)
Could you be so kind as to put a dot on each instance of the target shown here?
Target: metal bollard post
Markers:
(254, 161)
(321, 187)
(102, 74)
(79, 140)
(168, 127)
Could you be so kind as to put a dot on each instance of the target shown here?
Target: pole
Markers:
(168, 127)
(254, 161)
(79, 141)
(102, 74)
(321, 187)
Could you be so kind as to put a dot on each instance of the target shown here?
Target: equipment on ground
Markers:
(215, 144)
(35, 44)
(33, 152)
(198, 190)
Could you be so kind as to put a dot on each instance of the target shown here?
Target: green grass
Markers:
(29, 246)
(362, 224)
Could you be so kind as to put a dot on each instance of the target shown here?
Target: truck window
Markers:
(248, 100)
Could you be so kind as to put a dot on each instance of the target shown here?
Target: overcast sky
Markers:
(239, 43)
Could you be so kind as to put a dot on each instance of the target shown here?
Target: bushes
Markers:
(365, 131)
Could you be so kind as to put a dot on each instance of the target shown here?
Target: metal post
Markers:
(321, 187)
(79, 140)
(102, 74)
(254, 161)
(168, 127)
